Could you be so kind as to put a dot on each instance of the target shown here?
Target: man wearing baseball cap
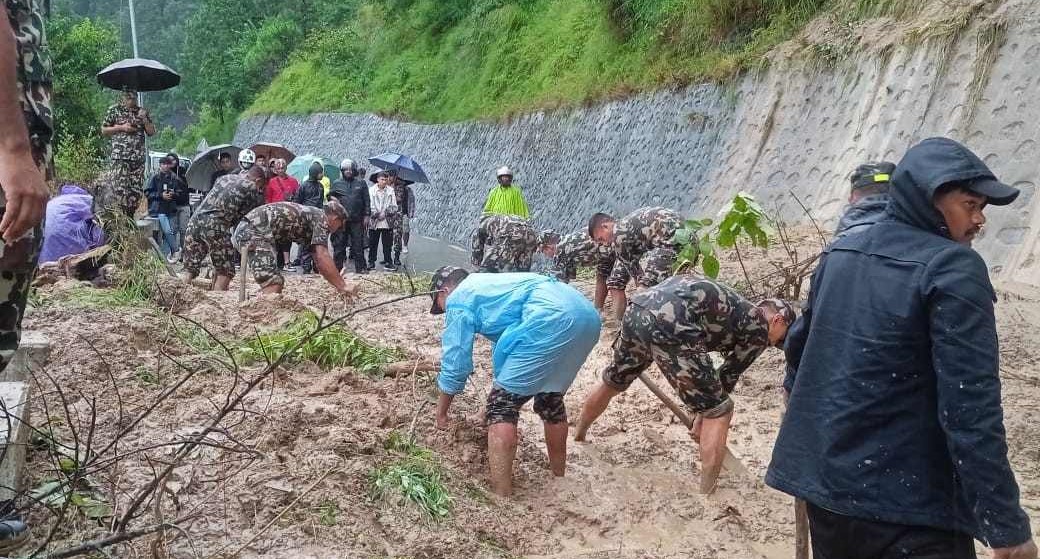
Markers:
(542, 332)
(894, 434)
(868, 197)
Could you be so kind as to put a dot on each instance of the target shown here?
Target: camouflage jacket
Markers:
(34, 72)
(704, 314)
(641, 231)
(288, 222)
(125, 146)
(503, 233)
(578, 249)
(230, 199)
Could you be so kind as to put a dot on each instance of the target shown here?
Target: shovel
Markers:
(730, 462)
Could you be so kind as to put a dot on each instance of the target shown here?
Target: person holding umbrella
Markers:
(352, 193)
(126, 124)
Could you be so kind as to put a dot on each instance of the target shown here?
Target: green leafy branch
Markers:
(742, 217)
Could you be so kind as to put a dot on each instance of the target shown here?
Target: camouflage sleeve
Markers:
(320, 233)
(111, 117)
(738, 360)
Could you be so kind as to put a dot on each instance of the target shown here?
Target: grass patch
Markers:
(327, 513)
(415, 476)
(449, 60)
(332, 347)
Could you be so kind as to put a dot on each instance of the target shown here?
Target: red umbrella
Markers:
(272, 151)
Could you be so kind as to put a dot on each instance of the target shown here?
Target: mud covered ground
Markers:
(630, 492)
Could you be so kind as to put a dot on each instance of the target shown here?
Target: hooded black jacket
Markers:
(894, 411)
(864, 213)
(310, 193)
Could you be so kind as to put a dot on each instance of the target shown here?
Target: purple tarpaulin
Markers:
(70, 226)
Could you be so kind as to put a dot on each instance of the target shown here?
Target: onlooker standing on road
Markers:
(183, 205)
(224, 167)
(311, 193)
(383, 209)
(406, 209)
(281, 188)
(121, 185)
(894, 434)
(352, 193)
(506, 198)
(26, 127)
(165, 191)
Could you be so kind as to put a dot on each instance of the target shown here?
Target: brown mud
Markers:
(630, 491)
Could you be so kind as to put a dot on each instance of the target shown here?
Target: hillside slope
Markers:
(447, 60)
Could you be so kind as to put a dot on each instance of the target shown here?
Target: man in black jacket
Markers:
(894, 433)
(310, 193)
(352, 193)
(165, 192)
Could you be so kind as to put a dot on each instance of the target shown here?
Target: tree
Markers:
(79, 49)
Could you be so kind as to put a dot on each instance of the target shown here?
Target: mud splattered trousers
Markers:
(206, 236)
(263, 254)
(120, 189)
(687, 367)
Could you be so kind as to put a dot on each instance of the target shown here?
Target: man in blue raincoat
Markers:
(894, 434)
(543, 330)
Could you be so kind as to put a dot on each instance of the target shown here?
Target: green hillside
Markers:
(443, 60)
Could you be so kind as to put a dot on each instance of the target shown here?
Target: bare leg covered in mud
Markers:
(711, 434)
(501, 452)
(595, 404)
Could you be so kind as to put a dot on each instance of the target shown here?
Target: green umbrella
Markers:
(299, 167)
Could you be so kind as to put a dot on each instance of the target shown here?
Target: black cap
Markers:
(873, 172)
(996, 192)
(445, 275)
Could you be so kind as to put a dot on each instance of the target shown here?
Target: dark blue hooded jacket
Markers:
(894, 411)
(864, 213)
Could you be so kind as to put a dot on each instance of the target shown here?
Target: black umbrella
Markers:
(138, 74)
(205, 163)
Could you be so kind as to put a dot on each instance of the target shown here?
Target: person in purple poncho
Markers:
(70, 227)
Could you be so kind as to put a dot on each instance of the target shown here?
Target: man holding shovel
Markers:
(676, 324)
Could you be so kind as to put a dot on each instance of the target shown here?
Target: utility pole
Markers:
(133, 28)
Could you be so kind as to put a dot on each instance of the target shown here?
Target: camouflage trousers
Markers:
(656, 266)
(506, 257)
(119, 189)
(263, 254)
(401, 228)
(687, 367)
(504, 406)
(204, 236)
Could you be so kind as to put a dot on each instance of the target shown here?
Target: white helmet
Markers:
(503, 171)
(246, 156)
(348, 164)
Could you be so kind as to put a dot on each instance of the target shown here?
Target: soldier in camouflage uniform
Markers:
(504, 243)
(281, 223)
(642, 237)
(209, 229)
(676, 324)
(578, 249)
(120, 187)
(26, 126)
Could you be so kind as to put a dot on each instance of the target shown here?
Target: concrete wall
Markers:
(798, 126)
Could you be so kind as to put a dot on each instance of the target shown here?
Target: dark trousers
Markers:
(352, 236)
(375, 236)
(836, 536)
(307, 258)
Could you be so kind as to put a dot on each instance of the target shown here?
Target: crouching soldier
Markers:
(268, 227)
(645, 233)
(209, 229)
(578, 249)
(506, 243)
(542, 330)
(676, 324)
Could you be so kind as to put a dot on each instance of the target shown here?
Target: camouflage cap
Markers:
(873, 172)
(548, 237)
(444, 276)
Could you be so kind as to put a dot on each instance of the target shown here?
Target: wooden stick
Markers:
(729, 461)
(801, 530)
(158, 251)
(242, 275)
